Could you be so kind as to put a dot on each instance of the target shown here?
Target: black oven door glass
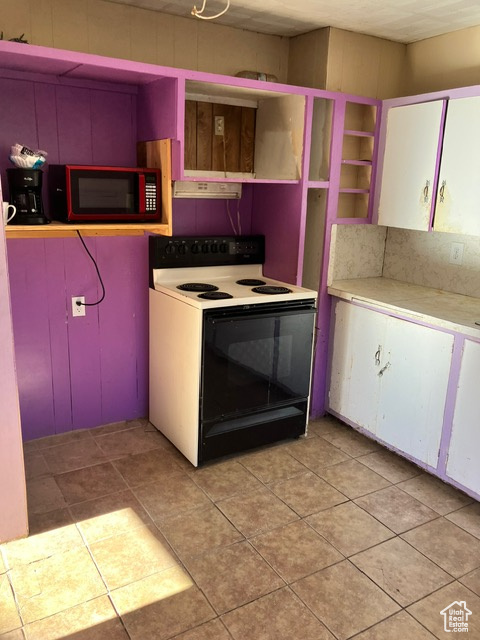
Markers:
(255, 360)
(109, 192)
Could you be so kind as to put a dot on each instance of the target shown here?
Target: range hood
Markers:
(212, 190)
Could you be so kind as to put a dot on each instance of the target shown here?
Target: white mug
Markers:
(6, 209)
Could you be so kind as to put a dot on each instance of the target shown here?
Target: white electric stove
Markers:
(230, 349)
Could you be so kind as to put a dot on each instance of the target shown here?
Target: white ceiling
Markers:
(399, 20)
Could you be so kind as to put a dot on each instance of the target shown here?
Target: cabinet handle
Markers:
(442, 191)
(383, 369)
(377, 355)
(425, 191)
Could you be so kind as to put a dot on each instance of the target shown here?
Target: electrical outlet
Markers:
(78, 309)
(456, 253)
(219, 125)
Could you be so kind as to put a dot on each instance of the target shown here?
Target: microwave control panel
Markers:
(150, 192)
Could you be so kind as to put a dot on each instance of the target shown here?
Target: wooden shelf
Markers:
(360, 134)
(346, 190)
(358, 163)
(63, 230)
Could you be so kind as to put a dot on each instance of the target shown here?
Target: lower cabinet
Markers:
(463, 454)
(390, 376)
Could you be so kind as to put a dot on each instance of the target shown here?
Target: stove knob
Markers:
(195, 248)
(224, 247)
(205, 248)
(169, 249)
(182, 249)
(214, 248)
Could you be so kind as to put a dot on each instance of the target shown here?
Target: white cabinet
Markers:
(390, 377)
(458, 200)
(409, 163)
(463, 456)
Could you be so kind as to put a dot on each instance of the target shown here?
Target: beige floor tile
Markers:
(132, 556)
(170, 497)
(43, 522)
(295, 550)
(307, 494)
(468, 518)
(351, 442)
(109, 516)
(73, 455)
(55, 584)
(317, 453)
(58, 536)
(233, 576)
(44, 495)
(225, 480)
(349, 528)
(401, 626)
(61, 438)
(35, 465)
(214, 630)
(353, 479)
(257, 511)
(131, 441)
(427, 611)
(93, 620)
(437, 495)
(272, 465)
(326, 424)
(9, 617)
(113, 427)
(452, 548)
(396, 509)
(390, 466)
(13, 635)
(198, 531)
(472, 581)
(405, 574)
(90, 483)
(3, 568)
(277, 616)
(151, 466)
(345, 600)
(161, 606)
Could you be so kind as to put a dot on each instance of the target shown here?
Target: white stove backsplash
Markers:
(357, 251)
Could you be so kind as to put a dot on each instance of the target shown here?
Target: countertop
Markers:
(433, 306)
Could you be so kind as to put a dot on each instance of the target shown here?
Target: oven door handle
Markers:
(256, 315)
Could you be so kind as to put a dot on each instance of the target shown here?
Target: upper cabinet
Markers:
(242, 134)
(431, 166)
(407, 180)
(458, 198)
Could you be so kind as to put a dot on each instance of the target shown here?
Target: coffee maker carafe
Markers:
(26, 194)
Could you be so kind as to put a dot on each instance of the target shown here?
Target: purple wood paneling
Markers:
(74, 125)
(30, 313)
(114, 129)
(203, 217)
(276, 214)
(157, 113)
(123, 327)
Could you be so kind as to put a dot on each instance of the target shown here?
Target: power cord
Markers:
(91, 304)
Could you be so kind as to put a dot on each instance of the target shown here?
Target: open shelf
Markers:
(66, 230)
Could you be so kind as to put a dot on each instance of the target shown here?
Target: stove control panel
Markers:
(178, 251)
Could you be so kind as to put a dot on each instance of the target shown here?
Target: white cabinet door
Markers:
(357, 347)
(458, 200)
(464, 453)
(409, 164)
(416, 367)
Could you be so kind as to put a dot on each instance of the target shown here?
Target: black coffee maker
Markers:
(26, 194)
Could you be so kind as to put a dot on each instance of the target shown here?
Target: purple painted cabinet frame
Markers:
(83, 372)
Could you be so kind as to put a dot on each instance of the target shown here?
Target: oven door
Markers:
(256, 365)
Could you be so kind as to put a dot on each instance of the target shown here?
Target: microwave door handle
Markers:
(141, 194)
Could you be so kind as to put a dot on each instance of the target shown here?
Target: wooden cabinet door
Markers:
(413, 388)
(458, 199)
(357, 348)
(409, 165)
(464, 453)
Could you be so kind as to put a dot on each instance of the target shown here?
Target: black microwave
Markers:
(83, 193)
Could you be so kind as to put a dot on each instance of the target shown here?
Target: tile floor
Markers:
(330, 536)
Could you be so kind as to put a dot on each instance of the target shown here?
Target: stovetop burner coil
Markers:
(251, 282)
(197, 286)
(215, 295)
(271, 290)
